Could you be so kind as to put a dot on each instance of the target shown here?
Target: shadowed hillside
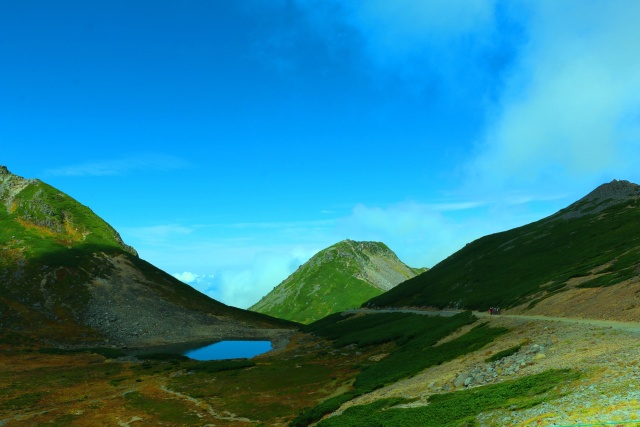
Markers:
(67, 276)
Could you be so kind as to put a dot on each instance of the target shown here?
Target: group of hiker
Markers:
(494, 310)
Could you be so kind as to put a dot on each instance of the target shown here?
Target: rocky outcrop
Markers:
(10, 186)
(497, 370)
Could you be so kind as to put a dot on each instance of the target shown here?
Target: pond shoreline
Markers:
(279, 339)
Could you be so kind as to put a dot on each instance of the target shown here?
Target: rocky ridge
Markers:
(602, 197)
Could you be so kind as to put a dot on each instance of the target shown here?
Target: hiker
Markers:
(491, 311)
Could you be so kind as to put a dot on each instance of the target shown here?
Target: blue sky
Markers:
(230, 140)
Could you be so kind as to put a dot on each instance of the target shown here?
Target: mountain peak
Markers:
(367, 246)
(604, 196)
(342, 276)
(616, 189)
(4, 170)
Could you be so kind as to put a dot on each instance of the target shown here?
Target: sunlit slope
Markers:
(66, 275)
(339, 277)
(593, 242)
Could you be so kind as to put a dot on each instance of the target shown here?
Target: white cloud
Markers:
(559, 82)
(243, 282)
(426, 45)
(189, 277)
(420, 234)
(401, 27)
(123, 166)
(571, 109)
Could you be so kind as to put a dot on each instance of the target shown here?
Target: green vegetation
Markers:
(419, 354)
(529, 262)
(31, 388)
(414, 336)
(213, 366)
(166, 357)
(504, 353)
(334, 291)
(109, 353)
(457, 409)
(271, 389)
(338, 278)
(178, 413)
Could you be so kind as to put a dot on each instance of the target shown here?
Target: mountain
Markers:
(339, 277)
(592, 244)
(66, 276)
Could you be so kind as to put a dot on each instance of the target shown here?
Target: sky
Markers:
(230, 140)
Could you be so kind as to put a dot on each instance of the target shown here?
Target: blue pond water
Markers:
(229, 350)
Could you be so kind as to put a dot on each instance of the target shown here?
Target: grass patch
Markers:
(109, 353)
(177, 413)
(414, 335)
(459, 408)
(272, 390)
(419, 354)
(163, 357)
(23, 401)
(504, 353)
(213, 366)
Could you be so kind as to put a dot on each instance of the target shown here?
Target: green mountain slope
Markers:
(67, 276)
(339, 277)
(596, 239)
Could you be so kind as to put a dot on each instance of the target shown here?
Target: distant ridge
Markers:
(339, 277)
(593, 243)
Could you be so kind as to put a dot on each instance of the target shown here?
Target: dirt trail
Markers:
(612, 324)
(633, 327)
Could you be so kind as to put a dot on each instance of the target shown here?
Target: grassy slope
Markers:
(457, 409)
(529, 262)
(323, 291)
(329, 283)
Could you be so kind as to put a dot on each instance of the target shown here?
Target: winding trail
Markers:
(633, 327)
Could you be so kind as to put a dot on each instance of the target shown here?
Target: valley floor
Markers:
(87, 389)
